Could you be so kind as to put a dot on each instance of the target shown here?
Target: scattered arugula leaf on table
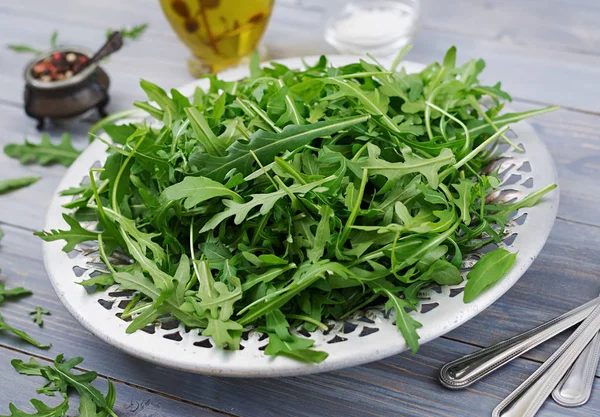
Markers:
(38, 314)
(21, 334)
(44, 153)
(22, 48)
(60, 378)
(14, 292)
(16, 183)
(293, 197)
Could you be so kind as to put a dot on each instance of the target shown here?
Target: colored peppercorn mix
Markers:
(59, 66)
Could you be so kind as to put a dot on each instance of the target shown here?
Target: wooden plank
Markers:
(550, 24)
(401, 385)
(131, 401)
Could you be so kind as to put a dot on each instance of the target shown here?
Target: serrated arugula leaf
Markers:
(463, 202)
(405, 323)
(264, 201)
(81, 382)
(103, 280)
(44, 153)
(16, 183)
(60, 378)
(74, 236)
(224, 333)
(393, 171)
(213, 297)
(283, 343)
(42, 410)
(37, 315)
(32, 368)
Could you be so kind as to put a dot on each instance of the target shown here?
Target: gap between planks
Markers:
(118, 381)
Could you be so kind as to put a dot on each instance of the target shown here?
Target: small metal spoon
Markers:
(575, 388)
(113, 44)
(464, 371)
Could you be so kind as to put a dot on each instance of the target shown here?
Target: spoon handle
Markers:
(113, 44)
(464, 371)
(575, 388)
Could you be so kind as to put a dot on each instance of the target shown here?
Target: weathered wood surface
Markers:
(546, 52)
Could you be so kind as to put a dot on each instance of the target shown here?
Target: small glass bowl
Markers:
(378, 27)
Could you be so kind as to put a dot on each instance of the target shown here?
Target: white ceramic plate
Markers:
(366, 337)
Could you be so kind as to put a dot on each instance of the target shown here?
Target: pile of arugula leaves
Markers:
(293, 197)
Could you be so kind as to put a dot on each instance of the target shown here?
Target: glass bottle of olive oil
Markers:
(220, 33)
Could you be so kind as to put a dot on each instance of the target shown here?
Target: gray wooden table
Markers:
(544, 51)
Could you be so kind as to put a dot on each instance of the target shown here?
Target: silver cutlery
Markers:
(575, 388)
(526, 400)
(464, 371)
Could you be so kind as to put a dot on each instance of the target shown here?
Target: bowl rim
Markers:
(55, 85)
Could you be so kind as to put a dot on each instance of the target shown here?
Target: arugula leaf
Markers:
(16, 183)
(60, 379)
(443, 272)
(196, 190)
(282, 342)
(74, 236)
(21, 334)
(87, 407)
(393, 171)
(224, 333)
(463, 202)
(264, 201)
(81, 382)
(54, 39)
(405, 323)
(37, 315)
(44, 153)
(14, 292)
(32, 367)
(265, 146)
(322, 236)
(22, 48)
(42, 409)
(490, 268)
(203, 132)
